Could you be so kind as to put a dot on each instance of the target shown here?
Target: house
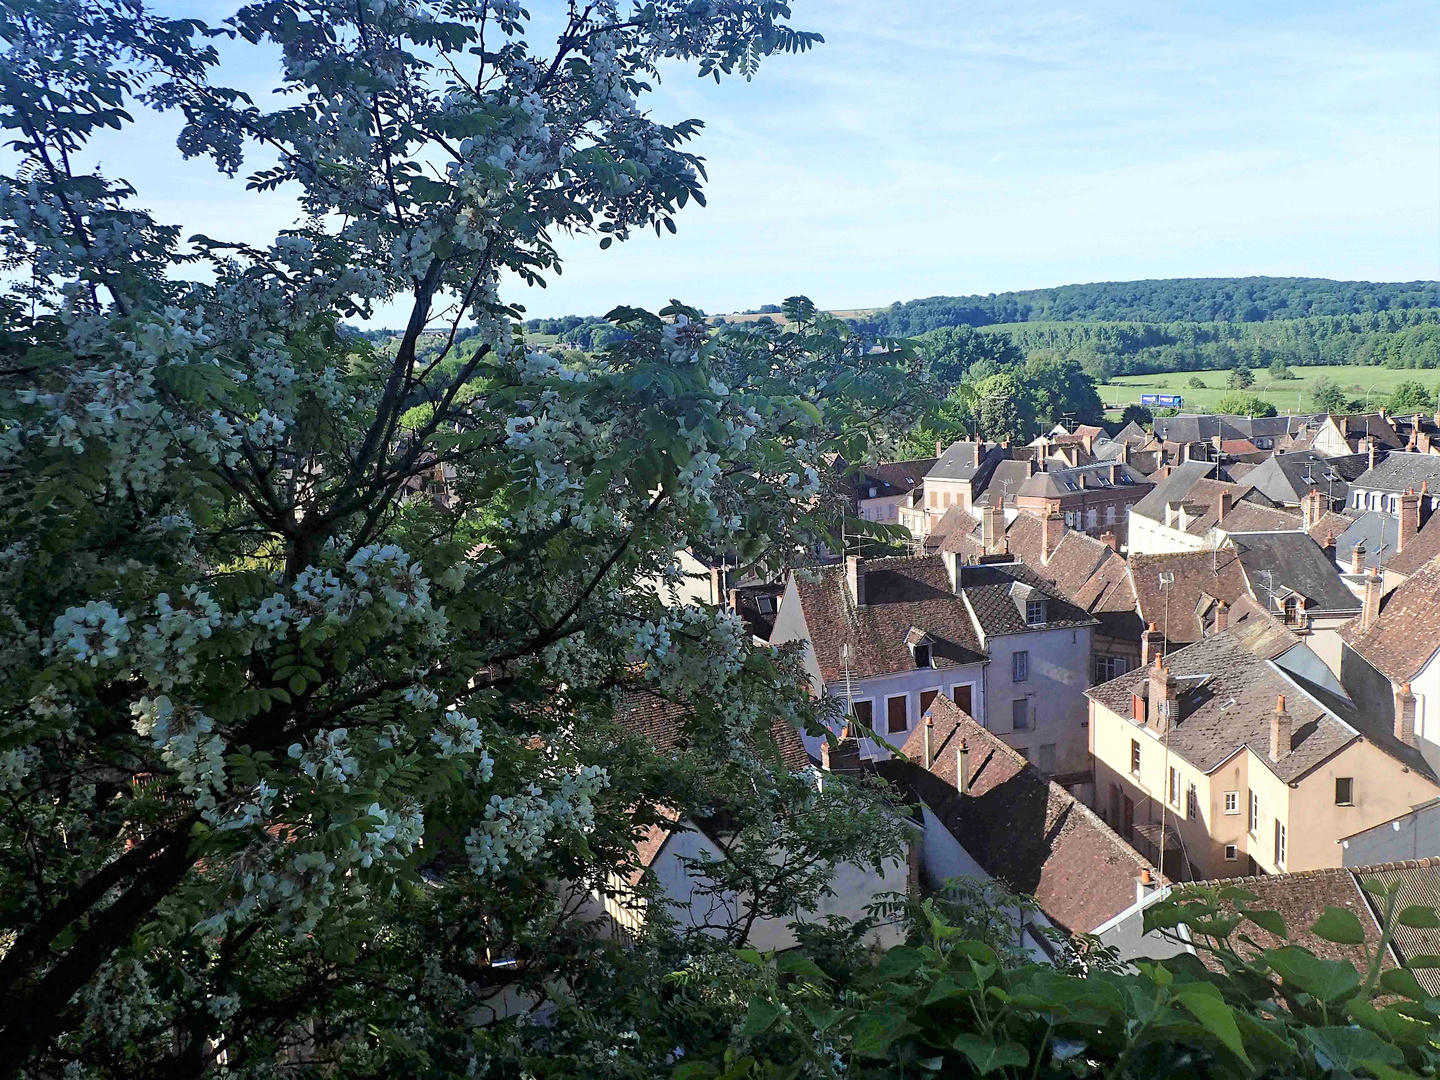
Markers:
(1415, 835)
(889, 636)
(1419, 550)
(1093, 498)
(757, 604)
(958, 476)
(1243, 754)
(1391, 656)
(1367, 433)
(880, 491)
(1296, 580)
(1287, 478)
(886, 636)
(1381, 486)
(1189, 511)
(985, 811)
(673, 850)
(1180, 597)
(1301, 898)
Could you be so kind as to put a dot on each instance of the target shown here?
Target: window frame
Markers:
(929, 655)
(1038, 607)
(1021, 706)
(870, 704)
(1172, 788)
(1232, 852)
(1134, 757)
(1252, 821)
(1280, 844)
(1192, 802)
(890, 729)
(1349, 800)
(1040, 758)
(1232, 803)
(1020, 666)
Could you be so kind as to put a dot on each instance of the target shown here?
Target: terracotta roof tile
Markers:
(1419, 550)
(1217, 574)
(1023, 829)
(1407, 633)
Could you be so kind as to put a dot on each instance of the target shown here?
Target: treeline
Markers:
(1166, 300)
(1394, 339)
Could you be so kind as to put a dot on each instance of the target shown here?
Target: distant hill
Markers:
(1163, 300)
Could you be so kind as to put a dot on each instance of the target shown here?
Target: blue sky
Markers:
(932, 148)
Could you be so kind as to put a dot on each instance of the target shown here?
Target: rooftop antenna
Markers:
(1167, 579)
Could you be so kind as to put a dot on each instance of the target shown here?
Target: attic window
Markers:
(872, 491)
(766, 604)
(922, 656)
(1034, 612)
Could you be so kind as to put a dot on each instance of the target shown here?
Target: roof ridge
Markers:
(1425, 863)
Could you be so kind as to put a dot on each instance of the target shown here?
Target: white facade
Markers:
(911, 685)
(1151, 537)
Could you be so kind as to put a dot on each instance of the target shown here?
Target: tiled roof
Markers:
(662, 723)
(1193, 428)
(1401, 471)
(1023, 829)
(1132, 433)
(1302, 898)
(1056, 483)
(1407, 633)
(1232, 706)
(899, 593)
(1246, 516)
(1238, 446)
(748, 599)
(1216, 574)
(961, 460)
(890, 478)
(1377, 530)
(1009, 476)
(996, 594)
(1329, 524)
(1172, 489)
(954, 522)
(1420, 549)
(1279, 564)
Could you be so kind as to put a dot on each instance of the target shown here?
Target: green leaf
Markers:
(1418, 915)
(875, 1030)
(1267, 920)
(986, 1056)
(1215, 1015)
(895, 964)
(799, 964)
(821, 1016)
(1340, 926)
(1402, 981)
(1328, 980)
(758, 1018)
(1350, 1047)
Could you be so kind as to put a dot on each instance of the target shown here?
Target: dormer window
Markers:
(922, 656)
(1034, 612)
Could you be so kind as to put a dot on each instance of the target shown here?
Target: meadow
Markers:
(1290, 395)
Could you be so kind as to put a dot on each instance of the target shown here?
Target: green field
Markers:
(1288, 396)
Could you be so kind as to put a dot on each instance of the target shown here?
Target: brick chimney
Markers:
(1125, 452)
(1163, 705)
(1222, 617)
(939, 450)
(1409, 519)
(1223, 505)
(1052, 532)
(1088, 442)
(992, 527)
(1151, 642)
(855, 578)
(1312, 508)
(1280, 731)
(962, 768)
(1370, 609)
(1357, 558)
(1329, 545)
(1405, 715)
(1110, 540)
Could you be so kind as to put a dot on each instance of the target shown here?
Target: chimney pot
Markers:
(962, 768)
(1409, 519)
(1222, 617)
(1227, 498)
(1151, 643)
(929, 732)
(1280, 731)
(1357, 558)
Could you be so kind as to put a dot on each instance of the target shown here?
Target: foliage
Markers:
(1195, 382)
(1326, 396)
(959, 354)
(1280, 370)
(1411, 397)
(1062, 391)
(1004, 407)
(314, 641)
(1138, 414)
(1241, 378)
(1237, 403)
(945, 1004)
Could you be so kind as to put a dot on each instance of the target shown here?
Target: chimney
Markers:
(929, 734)
(1329, 545)
(1114, 473)
(1083, 481)
(939, 450)
(1151, 642)
(1029, 467)
(1370, 611)
(1222, 617)
(1164, 699)
(1052, 532)
(1184, 452)
(1110, 540)
(1222, 509)
(1312, 508)
(734, 599)
(1125, 451)
(992, 527)
(962, 768)
(1144, 886)
(1357, 558)
(855, 578)
(1280, 731)
(717, 586)
(1088, 442)
(1301, 619)
(1409, 519)
(1370, 449)
(1422, 441)
(1405, 715)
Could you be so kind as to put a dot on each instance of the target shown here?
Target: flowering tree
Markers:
(277, 715)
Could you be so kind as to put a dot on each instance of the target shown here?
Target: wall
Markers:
(1060, 664)
(697, 589)
(790, 626)
(1151, 537)
(883, 508)
(1414, 836)
(911, 683)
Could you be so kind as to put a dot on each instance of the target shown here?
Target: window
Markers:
(1020, 666)
(922, 656)
(865, 713)
(1344, 791)
(896, 718)
(1279, 844)
(1232, 852)
(1192, 803)
(1254, 814)
(1070, 519)
(963, 698)
(1023, 751)
(1020, 714)
(1091, 518)
(1034, 612)
(1047, 758)
(1110, 514)
(927, 698)
(1174, 787)
(1135, 757)
(1359, 501)
(1232, 802)
(1110, 667)
(766, 605)
(934, 499)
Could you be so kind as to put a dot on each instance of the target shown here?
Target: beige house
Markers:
(1244, 755)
